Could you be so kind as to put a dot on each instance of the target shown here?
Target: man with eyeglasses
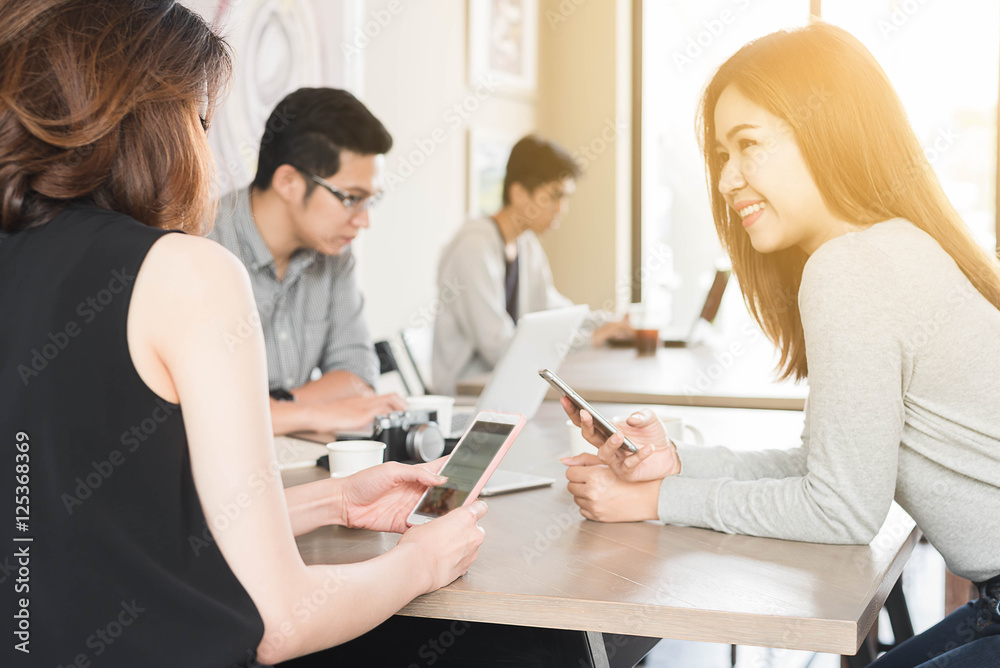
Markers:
(318, 174)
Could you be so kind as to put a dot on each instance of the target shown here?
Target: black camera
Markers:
(409, 436)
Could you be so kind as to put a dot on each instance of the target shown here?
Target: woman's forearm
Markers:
(315, 504)
(327, 605)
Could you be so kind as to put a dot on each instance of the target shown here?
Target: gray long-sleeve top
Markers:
(904, 403)
(472, 327)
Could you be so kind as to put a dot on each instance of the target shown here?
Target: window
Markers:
(943, 59)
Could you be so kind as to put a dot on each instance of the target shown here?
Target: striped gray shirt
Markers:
(312, 318)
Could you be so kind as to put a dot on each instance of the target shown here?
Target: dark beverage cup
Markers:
(646, 342)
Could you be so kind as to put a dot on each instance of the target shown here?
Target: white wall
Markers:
(415, 74)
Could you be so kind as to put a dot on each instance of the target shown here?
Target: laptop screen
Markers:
(714, 299)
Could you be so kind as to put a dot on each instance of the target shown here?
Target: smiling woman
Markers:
(766, 180)
(846, 250)
(835, 128)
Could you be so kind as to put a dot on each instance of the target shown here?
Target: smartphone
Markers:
(602, 426)
(470, 465)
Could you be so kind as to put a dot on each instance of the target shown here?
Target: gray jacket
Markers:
(472, 327)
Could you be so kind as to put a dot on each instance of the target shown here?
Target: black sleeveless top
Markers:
(109, 560)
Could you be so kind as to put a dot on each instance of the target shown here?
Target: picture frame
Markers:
(503, 44)
(488, 151)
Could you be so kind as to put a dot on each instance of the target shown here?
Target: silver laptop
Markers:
(540, 341)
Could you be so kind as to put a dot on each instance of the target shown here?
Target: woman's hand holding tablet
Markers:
(470, 465)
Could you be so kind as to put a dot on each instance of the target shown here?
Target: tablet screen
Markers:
(472, 456)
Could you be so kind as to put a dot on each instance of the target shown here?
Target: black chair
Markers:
(387, 364)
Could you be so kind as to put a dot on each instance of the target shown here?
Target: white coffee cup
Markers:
(347, 457)
(577, 443)
(442, 405)
(675, 427)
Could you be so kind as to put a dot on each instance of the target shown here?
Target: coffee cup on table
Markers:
(577, 443)
(347, 457)
(647, 322)
(676, 428)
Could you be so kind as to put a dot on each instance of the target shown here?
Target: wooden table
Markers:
(543, 565)
(731, 374)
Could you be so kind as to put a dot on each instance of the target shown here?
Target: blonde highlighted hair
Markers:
(862, 153)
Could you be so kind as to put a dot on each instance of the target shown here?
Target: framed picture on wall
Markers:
(503, 44)
(488, 153)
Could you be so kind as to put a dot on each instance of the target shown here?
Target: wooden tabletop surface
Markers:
(544, 565)
(729, 374)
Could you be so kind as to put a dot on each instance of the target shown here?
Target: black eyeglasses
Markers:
(350, 202)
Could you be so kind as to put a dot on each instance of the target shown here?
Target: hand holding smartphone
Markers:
(602, 426)
(470, 465)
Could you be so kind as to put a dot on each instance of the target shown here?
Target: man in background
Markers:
(318, 174)
(502, 269)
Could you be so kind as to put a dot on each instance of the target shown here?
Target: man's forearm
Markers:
(291, 416)
(333, 385)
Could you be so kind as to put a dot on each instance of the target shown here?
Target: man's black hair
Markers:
(535, 161)
(308, 130)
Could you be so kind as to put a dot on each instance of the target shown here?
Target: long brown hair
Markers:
(99, 102)
(861, 151)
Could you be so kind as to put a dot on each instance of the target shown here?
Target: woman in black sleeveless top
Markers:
(146, 524)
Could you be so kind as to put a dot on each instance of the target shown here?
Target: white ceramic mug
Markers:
(577, 443)
(442, 405)
(675, 427)
(347, 457)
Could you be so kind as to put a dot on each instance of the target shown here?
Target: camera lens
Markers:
(424, 442)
